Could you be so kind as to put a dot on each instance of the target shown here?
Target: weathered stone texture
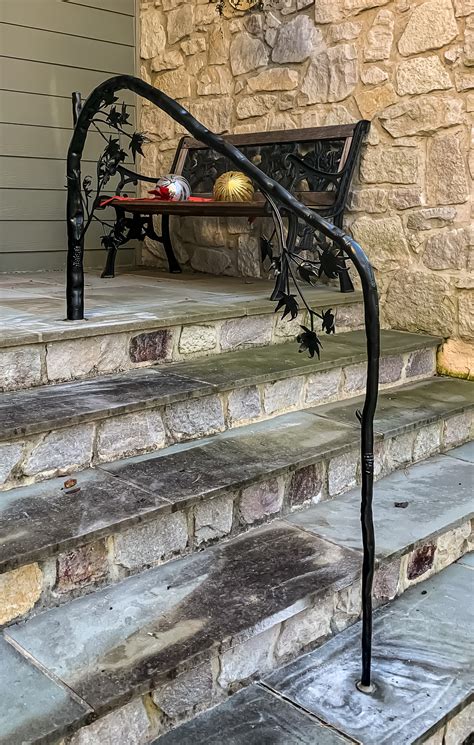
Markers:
(342, 473)
(147, 544)
(213, 519)
(61, 451)
(83, 566)
(194, 339)
(185, 691)
(447, 250)
(153, 36)
(384, 240)
(430, 26)
(128, 724)
(332, 75)
(305, 485)
(430, 218)
(152, 346)
(375, 100)
(422, 75)
(422, 115)
(282, 395)
(297, 40)
(421, 303)
(260, 500)
(448, 180)
(274, 79)
(323, 386)
(245, 332)
(307, 627)
(19, 591)
(10, 456)
(247, 53)
(395, 165)
(119, 437)
(379, 40)
(427, 442)
(244, 404)
(457, 429)
(20, 367)
(421, 363)
(244, 660)
(195, 418)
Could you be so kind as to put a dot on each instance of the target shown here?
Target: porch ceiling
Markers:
(32, 306)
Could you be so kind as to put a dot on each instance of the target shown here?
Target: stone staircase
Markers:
(170, 533)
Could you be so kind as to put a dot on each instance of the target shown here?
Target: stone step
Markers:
(142, 319)
(56, 430)
(157, 646)
(423, 661)
(58, 543)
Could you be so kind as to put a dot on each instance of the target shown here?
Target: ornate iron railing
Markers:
(278, 198)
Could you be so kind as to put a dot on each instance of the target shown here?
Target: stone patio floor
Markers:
(32, 306)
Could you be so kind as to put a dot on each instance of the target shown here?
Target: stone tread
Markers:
(39, 520)
(403, 501)
(54, 406)
(33, 707)
(422, 664)
(253, 716)
(120, 641)
(137, 301)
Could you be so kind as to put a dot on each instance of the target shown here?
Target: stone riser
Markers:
(30, 365)
(65, 450)
(192, 689)
(166, 536)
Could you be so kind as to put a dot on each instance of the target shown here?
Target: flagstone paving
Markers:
(423, 661)
(32, 306)
(404, 501)
(422, 671)
(32, 706)
(46, 407)
(118, 640)
(254, 716)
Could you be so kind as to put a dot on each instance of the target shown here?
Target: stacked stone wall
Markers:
(407, 65)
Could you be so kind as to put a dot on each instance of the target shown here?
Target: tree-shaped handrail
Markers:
(276, 196)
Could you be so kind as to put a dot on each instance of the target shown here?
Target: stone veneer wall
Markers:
(407, 65)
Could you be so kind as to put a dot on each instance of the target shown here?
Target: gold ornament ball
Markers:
(233, 186)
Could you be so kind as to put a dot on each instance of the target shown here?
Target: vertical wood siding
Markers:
(48, 49)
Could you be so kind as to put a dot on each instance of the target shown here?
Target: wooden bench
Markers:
(315, 164)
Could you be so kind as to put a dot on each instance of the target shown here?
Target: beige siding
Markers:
(50, 48)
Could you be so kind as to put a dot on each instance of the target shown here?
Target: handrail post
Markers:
(75, 290)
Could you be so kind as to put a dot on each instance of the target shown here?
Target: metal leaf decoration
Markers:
(309, 342)
(135, 146)
(329, 325)
(116, 118)
(290, 305)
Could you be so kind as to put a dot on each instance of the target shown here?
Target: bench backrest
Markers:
(316, 163)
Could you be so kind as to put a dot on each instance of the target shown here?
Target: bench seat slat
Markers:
(255, 208)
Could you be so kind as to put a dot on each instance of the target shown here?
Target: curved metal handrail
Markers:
(75, 289)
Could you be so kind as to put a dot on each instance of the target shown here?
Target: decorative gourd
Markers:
(233, 186)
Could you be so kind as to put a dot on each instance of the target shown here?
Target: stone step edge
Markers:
(453, 725)
(82, 353)
(412, 347)
(99, 558)
(89, 441)
(286, 636)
